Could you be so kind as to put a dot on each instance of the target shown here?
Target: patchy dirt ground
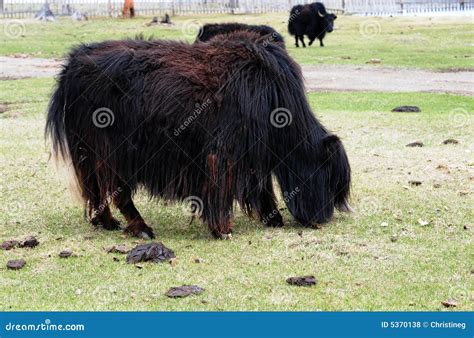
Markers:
(386, 79)
(325, 77)
(20, 67)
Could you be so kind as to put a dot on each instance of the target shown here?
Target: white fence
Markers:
(27, 8)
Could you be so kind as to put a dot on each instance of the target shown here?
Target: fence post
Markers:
(1, 6)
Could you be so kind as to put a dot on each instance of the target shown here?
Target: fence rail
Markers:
(28, 8)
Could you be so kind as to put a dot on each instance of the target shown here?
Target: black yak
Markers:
(312, 20)
(207, 122)
(208, 31)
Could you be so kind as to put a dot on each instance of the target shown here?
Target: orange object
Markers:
(128, 7)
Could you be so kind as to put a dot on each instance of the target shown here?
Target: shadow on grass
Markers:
(169, 224)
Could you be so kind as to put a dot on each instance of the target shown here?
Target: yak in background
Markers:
(208, 31)
(195, 120)
(312, 20)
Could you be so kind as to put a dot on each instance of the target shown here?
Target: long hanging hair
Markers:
(213, 120)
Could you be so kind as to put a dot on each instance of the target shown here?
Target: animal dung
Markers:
(16, 264)
(406, 109)
(302, 281)
(450, 141)
(152, 252)
(10, 244)
(415, 144)
(65, 254)
(184, 291)
(449, 303)
(29, 242)
(374, 61)
(122, 249)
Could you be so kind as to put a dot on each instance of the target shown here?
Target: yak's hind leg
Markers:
(296, 41)
(302, 41)
(268, 211)
(136, 225)
(219, 197)
(99, 211)
(103, 216)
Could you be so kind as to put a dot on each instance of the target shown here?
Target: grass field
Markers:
(406, 247)
(435, 43)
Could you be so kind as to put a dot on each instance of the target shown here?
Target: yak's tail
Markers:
(294, 13)
(55, 131)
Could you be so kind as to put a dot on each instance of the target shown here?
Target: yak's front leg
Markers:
(221, 224)
(136, 225)
(268, 211)
(219, 197)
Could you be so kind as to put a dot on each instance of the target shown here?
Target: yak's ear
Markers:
(335, 17)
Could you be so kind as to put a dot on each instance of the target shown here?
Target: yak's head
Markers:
(315, 179)
(328, 21)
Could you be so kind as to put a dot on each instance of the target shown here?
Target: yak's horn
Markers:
(321, 15)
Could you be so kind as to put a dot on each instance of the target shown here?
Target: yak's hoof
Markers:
(276, 221)
(226, 236)
(219, 235)
(108, 223)
(140, 230)
(111, 224)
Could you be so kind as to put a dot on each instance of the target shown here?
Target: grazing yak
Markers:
(312, 20)
(211, 123)
(209, 31)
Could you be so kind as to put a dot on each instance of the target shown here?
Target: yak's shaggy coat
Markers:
(200, 120)
(210, 30)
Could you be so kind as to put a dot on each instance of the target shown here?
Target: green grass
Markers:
(434, 43)
(356, 263)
